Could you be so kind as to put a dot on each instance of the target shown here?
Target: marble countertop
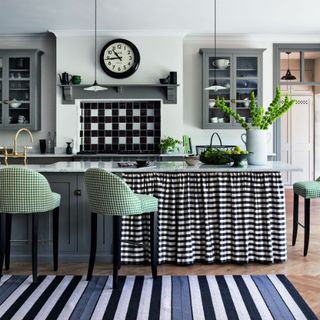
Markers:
(163, 166)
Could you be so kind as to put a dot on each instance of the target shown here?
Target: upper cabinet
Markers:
(20, 89)
(239, 71)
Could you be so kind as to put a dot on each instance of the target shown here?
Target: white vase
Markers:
(256, 141)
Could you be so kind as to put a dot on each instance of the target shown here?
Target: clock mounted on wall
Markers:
(119, 58)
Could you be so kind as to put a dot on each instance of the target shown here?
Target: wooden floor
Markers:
(304, 272)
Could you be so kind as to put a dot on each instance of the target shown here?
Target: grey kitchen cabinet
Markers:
(240, 76)
(20, 89)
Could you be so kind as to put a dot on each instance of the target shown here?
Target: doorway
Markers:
(296, 134)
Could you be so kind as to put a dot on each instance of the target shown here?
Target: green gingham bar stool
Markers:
(308, 190)
(24, 191)
(108, 194)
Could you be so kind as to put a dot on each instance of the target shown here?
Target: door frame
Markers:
(277, 49)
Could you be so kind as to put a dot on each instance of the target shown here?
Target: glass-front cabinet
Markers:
(238, 72)
(20, 89)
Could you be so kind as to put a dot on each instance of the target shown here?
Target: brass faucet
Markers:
(15, 153)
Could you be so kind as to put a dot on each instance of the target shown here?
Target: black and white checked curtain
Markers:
(210, 217)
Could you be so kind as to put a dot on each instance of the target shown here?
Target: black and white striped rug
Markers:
(137, 297)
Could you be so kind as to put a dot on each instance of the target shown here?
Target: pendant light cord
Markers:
(95, 41)
(215, 40)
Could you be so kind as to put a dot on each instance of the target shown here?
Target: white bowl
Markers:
(222, 63)
(192, 160)
(15, 104)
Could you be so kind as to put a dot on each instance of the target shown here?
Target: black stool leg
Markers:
(2, 239)
(154, 243)
(116, 248)
(55, 225)
(93, 247)
(295, 218)
(306, 225)
(35, 219)
(8, 238)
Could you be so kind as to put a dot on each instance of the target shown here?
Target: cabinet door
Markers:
(20, 96)
(1, 89)
(66, 184)
(217, 69)
(246, 75)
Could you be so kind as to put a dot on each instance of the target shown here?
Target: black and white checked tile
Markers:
(120, 126)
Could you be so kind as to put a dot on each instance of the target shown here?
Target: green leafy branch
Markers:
(261, 119)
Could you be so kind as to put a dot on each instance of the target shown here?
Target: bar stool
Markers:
(24, 191)
(110, 195)
(308, 190)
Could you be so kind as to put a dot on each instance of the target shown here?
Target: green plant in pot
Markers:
(169, 144)
(256, 131)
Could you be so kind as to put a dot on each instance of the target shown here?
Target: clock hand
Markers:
(113, 58)
(120, 58)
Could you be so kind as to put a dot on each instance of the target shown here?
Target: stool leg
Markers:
(295, 218)
(8, 238)
(154, 243)
(306, 225)
(116, 248)
(93, 247)
(2, 239)
(35, 219)
(55, 226)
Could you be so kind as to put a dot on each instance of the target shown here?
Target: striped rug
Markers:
(137, 297)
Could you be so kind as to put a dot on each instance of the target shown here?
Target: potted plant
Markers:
(169, 144)
(256, 131)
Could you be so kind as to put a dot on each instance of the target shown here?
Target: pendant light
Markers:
(288, 75)
(95, 87)
(215, 86)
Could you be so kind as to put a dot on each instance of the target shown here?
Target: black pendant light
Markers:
(288, 75)
(95, 87)
(215, 86)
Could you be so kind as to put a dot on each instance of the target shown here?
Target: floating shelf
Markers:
(166, 92)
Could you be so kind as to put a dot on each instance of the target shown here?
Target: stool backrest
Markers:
(23, 190)
(109, 194)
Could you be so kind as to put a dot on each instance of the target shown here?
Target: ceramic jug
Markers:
(256, 141)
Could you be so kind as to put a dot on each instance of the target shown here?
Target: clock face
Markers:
(119, 58)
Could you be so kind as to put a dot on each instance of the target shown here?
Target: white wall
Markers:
(159, 56)
(46, 43)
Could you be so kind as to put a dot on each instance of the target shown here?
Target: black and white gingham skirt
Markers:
(210, 217)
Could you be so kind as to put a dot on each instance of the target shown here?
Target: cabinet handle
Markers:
(77, 192)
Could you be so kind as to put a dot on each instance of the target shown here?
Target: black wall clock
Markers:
(119, 58)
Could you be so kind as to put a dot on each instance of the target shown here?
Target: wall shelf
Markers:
(166, 92)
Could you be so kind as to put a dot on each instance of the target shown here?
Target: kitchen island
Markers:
(207, 214)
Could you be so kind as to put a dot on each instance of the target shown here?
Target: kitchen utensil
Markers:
(212, 103)
(42, 143)
(192, 160)
(76, 79)
(214, 119)
(222, 63)
(173, 77)
(165, 80)
(69, 148)
(142, 163)
(15, 103)
(65, 78)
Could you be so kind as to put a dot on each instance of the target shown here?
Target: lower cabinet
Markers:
(74, 225)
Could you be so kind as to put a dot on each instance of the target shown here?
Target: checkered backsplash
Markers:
(120, 126)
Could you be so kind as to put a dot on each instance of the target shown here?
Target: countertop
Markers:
(162, 166)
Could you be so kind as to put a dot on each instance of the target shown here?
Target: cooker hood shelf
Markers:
(165, 92)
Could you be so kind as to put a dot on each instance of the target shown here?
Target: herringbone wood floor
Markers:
(304, 272)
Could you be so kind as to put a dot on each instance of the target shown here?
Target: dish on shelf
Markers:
(15, 103)
(212, 103)
(221, 63)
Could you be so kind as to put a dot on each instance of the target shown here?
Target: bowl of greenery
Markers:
(214, 156)
(169, 144)
(237, 156)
